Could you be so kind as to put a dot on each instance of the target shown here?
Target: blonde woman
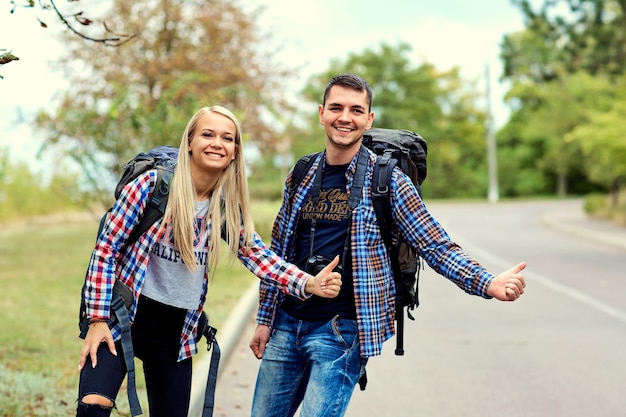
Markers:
(168, 268)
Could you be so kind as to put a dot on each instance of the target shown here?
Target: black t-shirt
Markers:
(332, 214)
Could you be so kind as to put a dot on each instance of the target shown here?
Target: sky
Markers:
(445, 33)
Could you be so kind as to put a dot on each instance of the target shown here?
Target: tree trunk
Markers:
(615, 187)
(561, 187)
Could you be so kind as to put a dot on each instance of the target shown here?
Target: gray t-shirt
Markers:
(168, 280)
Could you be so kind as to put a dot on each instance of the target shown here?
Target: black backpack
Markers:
(406, 150)
(163, 159)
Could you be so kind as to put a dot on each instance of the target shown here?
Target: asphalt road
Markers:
(560, 350)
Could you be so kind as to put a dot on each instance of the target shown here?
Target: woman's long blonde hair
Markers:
(229, 210)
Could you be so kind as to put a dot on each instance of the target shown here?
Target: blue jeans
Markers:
(313, 364)
(156, 342)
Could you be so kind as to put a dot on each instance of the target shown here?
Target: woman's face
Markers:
(212, 146)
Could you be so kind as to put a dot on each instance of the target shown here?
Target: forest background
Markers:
(565, 72)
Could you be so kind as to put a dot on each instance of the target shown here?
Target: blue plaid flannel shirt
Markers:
(373, 283)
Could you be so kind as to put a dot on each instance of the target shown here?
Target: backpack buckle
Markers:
(209, 333)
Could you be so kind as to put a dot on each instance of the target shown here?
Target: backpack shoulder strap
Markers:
(359, 177)
(155, 209)
(299, 171)
(381, 182)
(209, 392)
(119, 308)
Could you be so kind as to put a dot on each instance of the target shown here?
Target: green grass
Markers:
(42, 269)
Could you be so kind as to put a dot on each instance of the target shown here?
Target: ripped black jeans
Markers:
(156, 341)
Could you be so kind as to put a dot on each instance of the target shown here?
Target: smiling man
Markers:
(314, 351)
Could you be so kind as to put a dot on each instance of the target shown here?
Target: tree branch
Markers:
(117, 40)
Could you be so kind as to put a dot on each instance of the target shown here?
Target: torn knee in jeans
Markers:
(92, 410)
(97, 399)
(94, 405)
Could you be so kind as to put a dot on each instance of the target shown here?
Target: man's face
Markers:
(345, 116)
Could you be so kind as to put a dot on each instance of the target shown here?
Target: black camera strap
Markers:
(315, 197)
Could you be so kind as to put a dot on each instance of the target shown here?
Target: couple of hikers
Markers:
(317, 327)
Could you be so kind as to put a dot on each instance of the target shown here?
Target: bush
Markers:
(595, 204)
(600, 206)
(25, 194)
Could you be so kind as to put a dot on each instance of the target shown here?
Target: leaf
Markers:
(84, 21)
(8, 57)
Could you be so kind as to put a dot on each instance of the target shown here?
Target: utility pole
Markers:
(493, 194)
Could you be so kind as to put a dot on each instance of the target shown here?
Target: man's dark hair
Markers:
(351, 81)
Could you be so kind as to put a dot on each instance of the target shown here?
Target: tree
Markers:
(562, 66)
(439, 105)
(531, 55)
(572, 35)
(603, 143)
(185, 54)
(565, 103)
